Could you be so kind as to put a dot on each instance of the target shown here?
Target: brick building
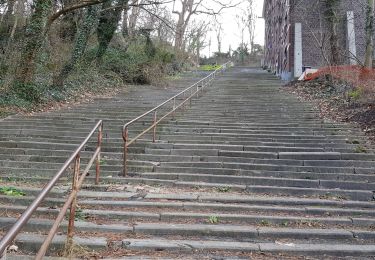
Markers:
(298, 35)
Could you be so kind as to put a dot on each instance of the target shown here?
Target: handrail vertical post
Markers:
(191, 97)
(154, 129)
(73, 206)
(174, 107)
(99, 145)
(7, 239)
(183, 100)
(191, 92)
(126, 137)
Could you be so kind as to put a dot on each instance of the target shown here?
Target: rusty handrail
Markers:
(191, 91)
(70, 202)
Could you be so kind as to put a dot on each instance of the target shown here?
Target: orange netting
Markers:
(357, 75)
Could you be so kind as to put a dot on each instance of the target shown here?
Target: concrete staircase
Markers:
(247, 172)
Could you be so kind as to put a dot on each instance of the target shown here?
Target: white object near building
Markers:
(351, 37)
(298, 50)
(306, 73)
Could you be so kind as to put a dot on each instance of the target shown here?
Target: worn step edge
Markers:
(301, 249)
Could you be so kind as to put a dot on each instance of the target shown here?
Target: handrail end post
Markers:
(154, 129)
(125, 155)
(73, 205)
(99, 146)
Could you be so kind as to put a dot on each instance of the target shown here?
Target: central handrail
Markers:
(193, 90)
(69, 203)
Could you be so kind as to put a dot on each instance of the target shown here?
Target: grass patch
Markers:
(173, 77)
(72, 250)
(223, 189)
(265, 223)
(360, 149)
(355, 94)
(11, 191)
(213, 219)
(102, 162)
(209, 67)
(352, 142)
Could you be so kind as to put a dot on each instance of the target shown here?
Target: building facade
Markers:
(298, 35)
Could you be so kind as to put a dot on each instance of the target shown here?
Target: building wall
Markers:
(277, 42)
(315, 32)
(359, 8)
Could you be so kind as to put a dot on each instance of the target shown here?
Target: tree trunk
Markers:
(34, 36)
(82, 37)
(334, 41)
(6, 25)
(108, 21)
(133, 17)
(68, 24)
(125, 25)
(369, 34)
(183, 20)
(179, 38)
(332, 19)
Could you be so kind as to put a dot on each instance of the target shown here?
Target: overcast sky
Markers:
(231, 32)
(232, 35)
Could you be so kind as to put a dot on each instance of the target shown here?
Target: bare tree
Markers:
(219, 31)
(133, 16)
(184, 15)
(190, 8)
(250, 15)
(324, 28)
(318, 32)
(159, 19)
(196, 39)
(241, 23)
(332, 17)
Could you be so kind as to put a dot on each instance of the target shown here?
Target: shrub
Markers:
(28, 91)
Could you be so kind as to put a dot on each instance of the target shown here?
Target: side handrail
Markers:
(69, 203)
(191, 92)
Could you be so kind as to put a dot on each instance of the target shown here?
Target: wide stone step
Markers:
(241, 233)
(194, 247)
(269, 167)
(220, 198)
(289, 217)
(31, 242)
(267, 181)
(361, 195)
(302, 249)
(277, 174)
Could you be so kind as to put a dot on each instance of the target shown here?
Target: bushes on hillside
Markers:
(141, 62)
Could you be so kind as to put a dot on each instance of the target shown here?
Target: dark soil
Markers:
(338, 100)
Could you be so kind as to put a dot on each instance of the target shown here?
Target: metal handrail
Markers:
(70, 202)
(191, 91)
